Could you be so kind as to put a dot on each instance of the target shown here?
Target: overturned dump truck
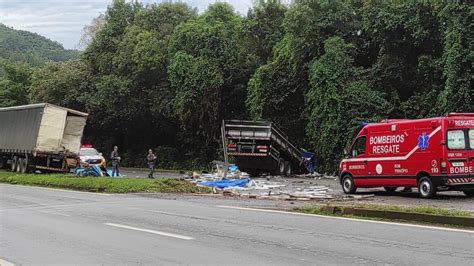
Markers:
(260, 147)
(42, 137)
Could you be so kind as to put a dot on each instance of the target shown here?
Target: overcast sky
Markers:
(63, 20)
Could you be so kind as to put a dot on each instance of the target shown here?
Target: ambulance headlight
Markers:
(443, 164)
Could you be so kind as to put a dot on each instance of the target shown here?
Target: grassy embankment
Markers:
(102, 184)
(396, 208)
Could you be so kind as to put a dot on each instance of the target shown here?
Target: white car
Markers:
(91, 156)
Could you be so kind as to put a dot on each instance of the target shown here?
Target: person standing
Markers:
(151, 159)
(115, 158)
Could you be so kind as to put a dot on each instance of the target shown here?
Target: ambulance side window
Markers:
(359, 147)
(456, 140)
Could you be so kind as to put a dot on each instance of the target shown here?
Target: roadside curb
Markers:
(397, 215)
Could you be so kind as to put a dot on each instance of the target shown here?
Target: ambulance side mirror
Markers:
(346, 153)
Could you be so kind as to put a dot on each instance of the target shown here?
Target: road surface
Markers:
(49, 226)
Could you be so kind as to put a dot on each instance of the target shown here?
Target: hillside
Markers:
(24, 46)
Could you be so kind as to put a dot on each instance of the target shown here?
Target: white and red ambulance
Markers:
(432, 154)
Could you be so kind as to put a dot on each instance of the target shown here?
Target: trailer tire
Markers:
(14, 162)
(281, 167)
(24, 166)
(426, 189)
(19, 163)
(348, 185)
(288, 168)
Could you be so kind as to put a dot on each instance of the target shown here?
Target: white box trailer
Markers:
(40, 136)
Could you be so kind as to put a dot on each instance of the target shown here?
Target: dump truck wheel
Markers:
(19, 162)
(288, 168)
(426, 189)
(14, 162)
(281, 167)
(348, 185)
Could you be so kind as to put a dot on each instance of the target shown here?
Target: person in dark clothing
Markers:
(151, 159)
(115, 158)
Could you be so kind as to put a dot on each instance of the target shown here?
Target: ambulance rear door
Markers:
(459, 153)
(471, 152)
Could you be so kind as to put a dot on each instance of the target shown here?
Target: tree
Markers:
(339, 100)
(15, 85)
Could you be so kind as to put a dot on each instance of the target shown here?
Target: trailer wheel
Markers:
(19, 163)
(24, 166)
(288, 168)
(281, 167)
(426, 189)
(14, 162)
(348, 185)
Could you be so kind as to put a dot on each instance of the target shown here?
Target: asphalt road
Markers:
(47, 226)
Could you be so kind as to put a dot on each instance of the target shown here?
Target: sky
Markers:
(63, 20)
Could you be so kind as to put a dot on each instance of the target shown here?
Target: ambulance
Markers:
(432, 154)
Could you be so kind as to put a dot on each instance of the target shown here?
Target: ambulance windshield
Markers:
(456, 140)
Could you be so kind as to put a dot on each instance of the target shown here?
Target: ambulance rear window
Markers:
(456, 140)
(471, 138)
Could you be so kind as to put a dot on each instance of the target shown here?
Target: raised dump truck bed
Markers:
(260, 147)
(40, 137)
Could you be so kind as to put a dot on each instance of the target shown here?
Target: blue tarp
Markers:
(227, 183)
(109, 173)
(94, 170)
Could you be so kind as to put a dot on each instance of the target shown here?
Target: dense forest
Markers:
(17, 46)
(163, 76)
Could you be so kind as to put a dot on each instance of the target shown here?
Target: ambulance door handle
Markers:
(365, 161)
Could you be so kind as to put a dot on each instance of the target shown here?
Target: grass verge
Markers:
(418, 209)
(419, 214)
(102, 184)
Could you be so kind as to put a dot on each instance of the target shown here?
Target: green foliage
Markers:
(14, 86)
(17, 46)
(339, 100)
(163, 76)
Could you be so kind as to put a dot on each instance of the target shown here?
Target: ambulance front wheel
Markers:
(426, 188)
(348, 185)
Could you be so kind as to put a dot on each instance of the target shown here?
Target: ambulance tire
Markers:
(348, 185)
(426, 189)
(390, 190)
(468, 193)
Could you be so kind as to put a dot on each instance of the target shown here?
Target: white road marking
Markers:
(351, 219)
(59, 189)
(6, 263)
(150, 231)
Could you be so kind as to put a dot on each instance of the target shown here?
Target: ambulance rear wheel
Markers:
(348, 185)
(426, 189)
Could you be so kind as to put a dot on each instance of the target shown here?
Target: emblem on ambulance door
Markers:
(378, 169)
(423, 141)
